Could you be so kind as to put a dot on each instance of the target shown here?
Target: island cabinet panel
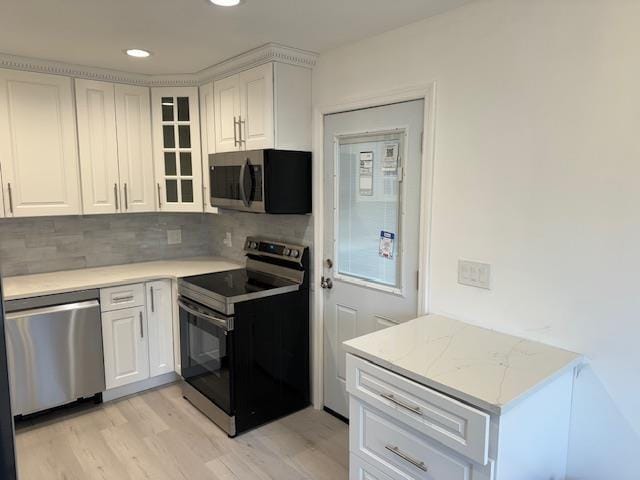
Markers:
(460, 427)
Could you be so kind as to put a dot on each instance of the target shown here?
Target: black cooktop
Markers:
(233, 283)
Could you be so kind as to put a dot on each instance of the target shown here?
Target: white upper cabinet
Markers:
(38, 152)
(268, 106)
(227, 114)
(96, 111)
(133, 124)
(208, 140)
(256, 104)
(176, 147)
(114, 134)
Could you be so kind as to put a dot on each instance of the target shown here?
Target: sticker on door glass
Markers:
(387, 239)
(390, 159)
(366, 174)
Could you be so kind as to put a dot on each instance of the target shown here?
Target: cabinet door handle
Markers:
(235, 134)
(402, 404)
(159, 198)
(115, 192)
(153, 303)
(416, 463)
(240, 123)
(141, 327)
(10, 198)
(128, 298)
(126, 198)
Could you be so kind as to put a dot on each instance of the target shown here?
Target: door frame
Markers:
(428, 94)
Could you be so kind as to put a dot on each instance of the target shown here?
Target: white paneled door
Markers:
(160, 322)
(38, 148)
(95, 104)
(256, 104)
(372, 217)
(126, 346)
(133, 114)
(227, 112)
(208, 135)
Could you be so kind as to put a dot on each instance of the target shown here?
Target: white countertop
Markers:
(484, 368)
(35, 285)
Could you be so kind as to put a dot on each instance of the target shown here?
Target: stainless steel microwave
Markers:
(261, 181)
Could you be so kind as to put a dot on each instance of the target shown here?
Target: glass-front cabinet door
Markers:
(176, 134)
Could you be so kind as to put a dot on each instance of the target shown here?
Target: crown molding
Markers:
(270, 52)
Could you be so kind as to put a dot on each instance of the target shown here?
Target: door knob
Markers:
(326, 283)
(329, 263)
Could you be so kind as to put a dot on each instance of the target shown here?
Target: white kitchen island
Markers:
(439, 399)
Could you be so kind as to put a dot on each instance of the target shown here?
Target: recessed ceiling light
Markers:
(138, 53)
(225, 3)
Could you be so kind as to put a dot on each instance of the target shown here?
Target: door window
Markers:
(368, 211)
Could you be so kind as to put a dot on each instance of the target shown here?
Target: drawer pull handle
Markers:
(400, 403)
(123, 299)
(416, 463)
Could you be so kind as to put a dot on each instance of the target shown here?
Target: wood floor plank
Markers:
(157, 435)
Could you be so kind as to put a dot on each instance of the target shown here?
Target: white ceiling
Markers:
(186, 36)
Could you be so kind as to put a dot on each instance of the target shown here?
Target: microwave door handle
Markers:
(243, 194)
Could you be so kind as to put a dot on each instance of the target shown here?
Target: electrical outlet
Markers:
(227, 239)
(474, 274)
(174, 237)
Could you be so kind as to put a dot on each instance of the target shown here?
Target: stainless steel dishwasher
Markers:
(54, 350)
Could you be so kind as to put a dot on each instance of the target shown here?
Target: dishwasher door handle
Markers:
(55, 309)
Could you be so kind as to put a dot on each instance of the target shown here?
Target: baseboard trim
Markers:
(141, 386)
(337, 415)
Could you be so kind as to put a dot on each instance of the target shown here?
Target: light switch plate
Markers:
(474, 274)
(174, 237)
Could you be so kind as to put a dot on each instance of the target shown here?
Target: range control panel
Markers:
(284, 251)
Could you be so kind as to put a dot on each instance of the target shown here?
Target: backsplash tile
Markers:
(47, 244)
(291, 228)
(35, 245)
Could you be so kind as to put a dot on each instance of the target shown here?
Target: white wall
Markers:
(537, 171)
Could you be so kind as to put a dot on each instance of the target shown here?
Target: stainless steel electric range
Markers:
(244, 337)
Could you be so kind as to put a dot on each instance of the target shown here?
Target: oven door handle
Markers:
(219, 322)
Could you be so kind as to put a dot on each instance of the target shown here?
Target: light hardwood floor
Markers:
(158, 435)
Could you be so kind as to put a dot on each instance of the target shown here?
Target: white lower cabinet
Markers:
(402, 453)
(361, 470)
(137, 339)
(160, 322)
(402, 430)
(126, 346)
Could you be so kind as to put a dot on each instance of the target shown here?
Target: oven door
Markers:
(237, 180)
(206, 349)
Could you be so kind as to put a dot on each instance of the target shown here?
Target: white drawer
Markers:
(450, 422)
(124, 296)
(403, 454)
(361, 470)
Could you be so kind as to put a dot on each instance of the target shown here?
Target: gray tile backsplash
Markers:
(45, 244)
(291, 228)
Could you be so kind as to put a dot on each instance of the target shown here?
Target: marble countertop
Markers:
(35, 285)
(490, 370)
